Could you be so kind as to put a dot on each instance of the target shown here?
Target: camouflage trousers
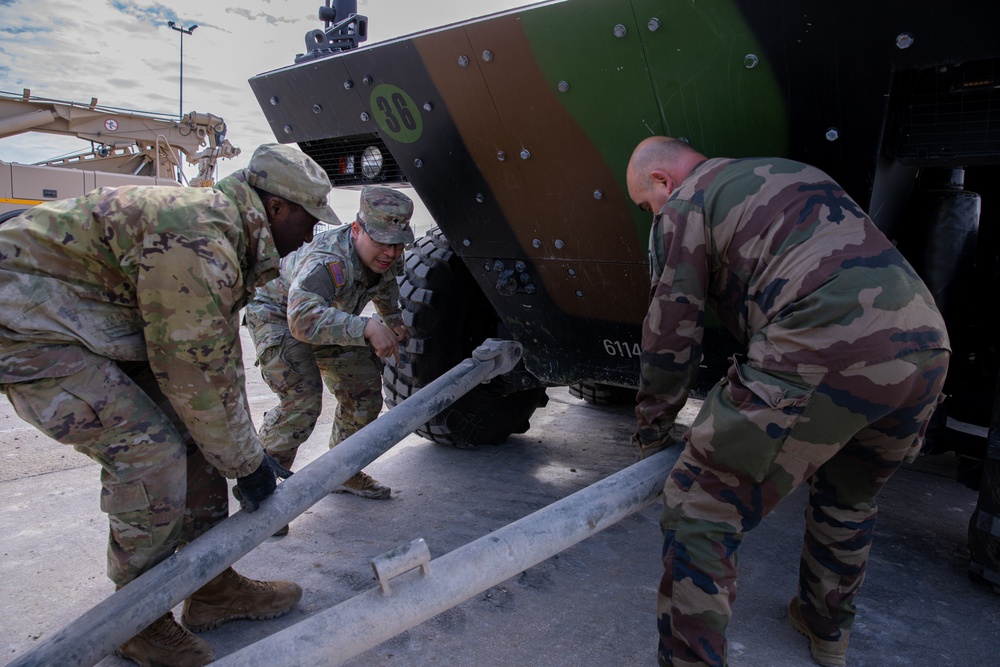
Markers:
(158, 490)
(757, 437)
(296, 372)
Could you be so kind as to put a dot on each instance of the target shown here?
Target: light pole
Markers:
(183, 31)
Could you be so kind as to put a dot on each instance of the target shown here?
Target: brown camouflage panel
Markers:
(307, 329)
(157, 488)
(135, 273)
(846, 358)
(385, 214)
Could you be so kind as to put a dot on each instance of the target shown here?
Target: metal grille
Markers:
(953, 115)
(355, 161)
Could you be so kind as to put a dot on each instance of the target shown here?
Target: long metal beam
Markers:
(348, 629)
(117, 619)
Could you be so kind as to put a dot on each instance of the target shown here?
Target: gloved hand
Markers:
(259, 484)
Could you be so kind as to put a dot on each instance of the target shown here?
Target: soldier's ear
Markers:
(659, 177)
(274, 206)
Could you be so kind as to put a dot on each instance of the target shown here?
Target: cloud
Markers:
(21, 30)
(153, 14)
(123, 53)
(267, 18)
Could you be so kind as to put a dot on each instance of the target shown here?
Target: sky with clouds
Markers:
(123, 53)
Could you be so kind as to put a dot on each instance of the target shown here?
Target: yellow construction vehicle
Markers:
(126, 147)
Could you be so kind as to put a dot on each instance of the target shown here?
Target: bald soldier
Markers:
(845, 358)
(119, 336)
(308, 329)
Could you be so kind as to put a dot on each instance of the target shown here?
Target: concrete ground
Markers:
(593, 604)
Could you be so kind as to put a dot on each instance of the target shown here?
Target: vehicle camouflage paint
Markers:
(515, 130)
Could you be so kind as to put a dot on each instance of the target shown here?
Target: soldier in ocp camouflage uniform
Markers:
(846, 357)
(308, 329)
(118, 336)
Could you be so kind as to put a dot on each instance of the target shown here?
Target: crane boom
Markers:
(127, 146)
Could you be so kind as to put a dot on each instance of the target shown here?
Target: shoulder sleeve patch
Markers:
(317, 279)
(337, 273)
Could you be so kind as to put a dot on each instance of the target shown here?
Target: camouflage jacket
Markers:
(137, 273)
(792, 267)
(322, 289)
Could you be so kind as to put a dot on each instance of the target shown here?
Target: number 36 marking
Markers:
(396, 113)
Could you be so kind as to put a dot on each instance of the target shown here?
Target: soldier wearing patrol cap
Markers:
(308, 329)
(118, 336)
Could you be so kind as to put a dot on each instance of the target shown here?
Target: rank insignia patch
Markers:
(338, 273)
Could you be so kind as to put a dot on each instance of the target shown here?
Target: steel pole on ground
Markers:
(117, 619)
(354, 626)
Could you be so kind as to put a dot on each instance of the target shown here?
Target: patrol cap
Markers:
(385, 214)
(291, 174)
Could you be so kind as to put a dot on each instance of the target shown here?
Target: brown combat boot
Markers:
(285, 459)
(826, 652)
(231, 596)
(166, 643)
(364, 486)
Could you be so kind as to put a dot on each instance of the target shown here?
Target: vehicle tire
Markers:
(7, 215)
(448, 317)
(602, 394)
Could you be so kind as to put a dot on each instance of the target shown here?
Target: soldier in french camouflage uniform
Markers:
(308, 328)
(119, 336)
(846, 357)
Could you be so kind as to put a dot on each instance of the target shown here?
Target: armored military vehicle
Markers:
(515, 130)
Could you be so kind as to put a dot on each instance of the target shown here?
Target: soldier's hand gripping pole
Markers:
(259, 484)
(114, 621)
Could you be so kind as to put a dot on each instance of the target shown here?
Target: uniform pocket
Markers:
(753, 414)
(57, 409)
(127, 506)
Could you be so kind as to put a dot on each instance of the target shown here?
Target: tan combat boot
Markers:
(231, 596)
(284, 459)
(364, 486)
(166, 643)
(826, 652)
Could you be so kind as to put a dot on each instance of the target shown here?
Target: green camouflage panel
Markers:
(307, 329)
(322, 289)
(157, 488)
(143, 273)
(846, 358)
(793, 268)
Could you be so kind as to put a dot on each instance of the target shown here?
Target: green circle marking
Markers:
(396, 114)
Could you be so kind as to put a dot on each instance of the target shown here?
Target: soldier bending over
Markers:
(119, 336)
(846, 356)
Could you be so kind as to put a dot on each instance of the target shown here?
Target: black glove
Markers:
(259, 484)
